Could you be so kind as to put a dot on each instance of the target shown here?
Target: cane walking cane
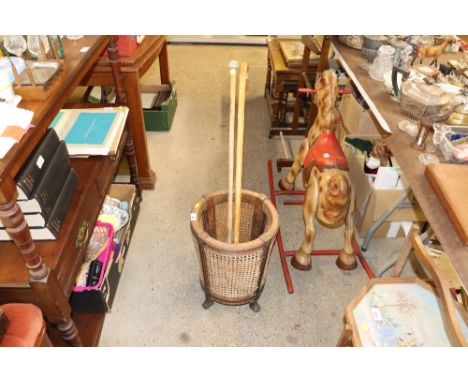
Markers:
(239, 149)
(233, 66)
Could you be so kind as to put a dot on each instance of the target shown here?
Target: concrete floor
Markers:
(159, 298)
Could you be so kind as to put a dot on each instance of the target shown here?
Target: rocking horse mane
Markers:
(326, 91)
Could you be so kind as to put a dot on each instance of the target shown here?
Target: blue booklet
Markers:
(95, 131)
(91, 128)
(56, 120)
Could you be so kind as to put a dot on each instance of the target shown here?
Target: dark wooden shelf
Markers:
(43, 272)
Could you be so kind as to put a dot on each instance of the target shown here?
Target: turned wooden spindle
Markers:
(114, 61)
(50, 295)
(121, 99)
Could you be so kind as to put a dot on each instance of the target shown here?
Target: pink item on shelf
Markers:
(461, 152)
(104, 257)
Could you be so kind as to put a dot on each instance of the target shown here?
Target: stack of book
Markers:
(95, 131)
(46, 185)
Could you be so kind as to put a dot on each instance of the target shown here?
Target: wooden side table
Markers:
(281, 83)
(133, 68)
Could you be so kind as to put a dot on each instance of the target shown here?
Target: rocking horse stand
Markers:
(284, 254)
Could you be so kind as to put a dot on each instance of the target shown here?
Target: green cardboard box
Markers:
(160, 116)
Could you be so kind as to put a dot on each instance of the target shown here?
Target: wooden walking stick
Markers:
(233, 66)
(240, 148)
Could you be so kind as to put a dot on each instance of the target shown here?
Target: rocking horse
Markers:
(328, 196)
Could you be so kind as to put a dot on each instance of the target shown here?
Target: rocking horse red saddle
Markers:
(326, 152)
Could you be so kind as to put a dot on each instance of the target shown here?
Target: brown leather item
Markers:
(450, 183)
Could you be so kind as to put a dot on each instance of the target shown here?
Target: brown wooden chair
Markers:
(22, 325)
(303, 107)
(310, 45)
(398, 311)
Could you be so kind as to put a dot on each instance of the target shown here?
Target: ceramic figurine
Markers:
(381, 152)
(434, 52)
(329, 196)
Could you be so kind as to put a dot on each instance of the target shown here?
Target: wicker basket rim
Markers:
(234, 248)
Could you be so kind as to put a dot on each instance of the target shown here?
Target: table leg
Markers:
(276, 116)
(127, 85)
(164, 65)
(50, 295)
(268, 78)
(283, 105)
(146, 176)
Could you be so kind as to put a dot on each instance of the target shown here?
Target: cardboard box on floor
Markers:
(159, 117)
(355, 119)
(371, 203)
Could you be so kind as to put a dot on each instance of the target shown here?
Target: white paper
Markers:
(393, 229)
(40, 161)
(6, 143)
(388, 178)
(14, 116)
(406, 227)
(148, 100)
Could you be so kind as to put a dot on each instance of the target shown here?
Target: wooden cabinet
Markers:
(43, 272)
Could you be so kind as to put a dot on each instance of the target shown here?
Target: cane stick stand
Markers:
(234, 273)
(239, 149)
(233, 66)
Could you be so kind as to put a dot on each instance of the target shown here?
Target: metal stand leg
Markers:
(400, 203)
(207, 304)
(255, 306)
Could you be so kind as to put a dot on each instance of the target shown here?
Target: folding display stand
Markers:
(318, 252)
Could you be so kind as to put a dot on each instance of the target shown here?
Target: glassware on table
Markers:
(15, 44)
(74, 36)
(427, 156)
(34, 45)
(382, 63)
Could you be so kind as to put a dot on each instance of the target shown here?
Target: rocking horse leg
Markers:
(302, 259)
(347, 259)
(287, 181)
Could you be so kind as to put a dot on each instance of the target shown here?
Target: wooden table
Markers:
(43, 272)
(133, 68)
(280, 82)
(388, 113)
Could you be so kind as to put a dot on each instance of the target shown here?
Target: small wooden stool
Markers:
(281, 83)
(23, 325)
(406, 311)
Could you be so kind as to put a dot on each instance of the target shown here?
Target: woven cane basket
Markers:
(233, 274)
